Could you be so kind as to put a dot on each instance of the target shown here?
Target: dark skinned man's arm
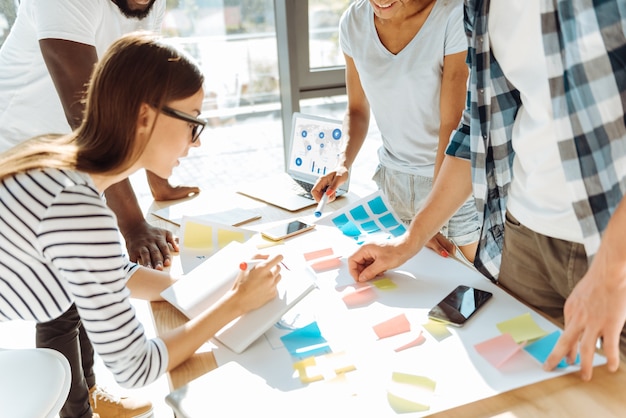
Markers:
(70, 65)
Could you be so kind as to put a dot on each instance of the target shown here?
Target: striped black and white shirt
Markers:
(60, 244)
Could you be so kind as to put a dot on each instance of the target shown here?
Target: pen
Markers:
(320, 205)
(247, 265)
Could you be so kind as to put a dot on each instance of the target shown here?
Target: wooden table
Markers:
(566, 396)
(166, 317)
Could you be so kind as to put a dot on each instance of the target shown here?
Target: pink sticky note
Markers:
(312, 255)
(326, 264)
(498, 350)
(418, 341)
(394, 326)
(359, 297)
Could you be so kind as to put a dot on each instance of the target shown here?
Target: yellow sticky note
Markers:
(326, 367)
(437, 330)
(522, 328)
(384, 284)
(198, 235)
(306, 369)
(338, 363)
(410, 393)
(267, 244)
(225, 237)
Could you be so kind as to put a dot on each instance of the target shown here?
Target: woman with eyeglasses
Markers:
(59, 241)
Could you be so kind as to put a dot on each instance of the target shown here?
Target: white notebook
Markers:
(207, 283)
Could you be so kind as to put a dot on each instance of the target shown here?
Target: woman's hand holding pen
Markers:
(256, 282)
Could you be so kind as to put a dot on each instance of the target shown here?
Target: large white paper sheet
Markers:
(461, 374)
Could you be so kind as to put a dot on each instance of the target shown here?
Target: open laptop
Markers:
(315, 146)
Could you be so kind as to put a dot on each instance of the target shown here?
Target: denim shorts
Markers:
(406, 194)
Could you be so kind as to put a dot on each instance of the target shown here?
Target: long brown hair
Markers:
(138, 68)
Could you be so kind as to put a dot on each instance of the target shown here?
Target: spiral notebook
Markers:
(206, 284)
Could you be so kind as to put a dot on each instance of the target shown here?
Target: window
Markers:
(259, 57)
(303, 31)
(324, 49)
(8, 9)
(234, 42)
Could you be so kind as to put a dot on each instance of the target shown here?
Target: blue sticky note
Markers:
(350, 230)
(388, 221)
(396, 232)
(359, 213)
(542, 348)
(306, 342)
(370, 227)
(377, 205)
(340, 220)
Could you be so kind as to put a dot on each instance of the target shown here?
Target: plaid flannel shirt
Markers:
(585, 47)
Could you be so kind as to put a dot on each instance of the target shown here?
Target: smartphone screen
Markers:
(280, 232)
(459, 305)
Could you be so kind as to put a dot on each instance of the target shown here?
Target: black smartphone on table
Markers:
(459, 305)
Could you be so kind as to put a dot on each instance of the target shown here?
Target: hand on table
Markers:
(596, 308)
(373, 259)
(150, 246)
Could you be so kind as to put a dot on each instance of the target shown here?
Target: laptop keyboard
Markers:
(302, 188)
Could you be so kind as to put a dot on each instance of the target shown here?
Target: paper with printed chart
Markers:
(369, 216)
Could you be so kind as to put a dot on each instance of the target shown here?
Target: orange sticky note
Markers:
(312, 255)
(498, 350)
(359, 297)
(414, 343)
(326, 263)
(394, 326)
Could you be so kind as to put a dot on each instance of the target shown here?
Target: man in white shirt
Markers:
(45, 64)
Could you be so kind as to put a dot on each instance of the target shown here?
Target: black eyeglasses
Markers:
(198, 124)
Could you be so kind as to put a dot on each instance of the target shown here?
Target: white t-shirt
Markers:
(403, 89)
(538, 196)
(29, 103)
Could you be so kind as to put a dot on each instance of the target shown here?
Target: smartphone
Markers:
(288, 230)
(456, 308)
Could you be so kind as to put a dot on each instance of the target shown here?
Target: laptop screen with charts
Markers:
(315, 146)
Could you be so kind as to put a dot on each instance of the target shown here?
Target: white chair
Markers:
(33, 382)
